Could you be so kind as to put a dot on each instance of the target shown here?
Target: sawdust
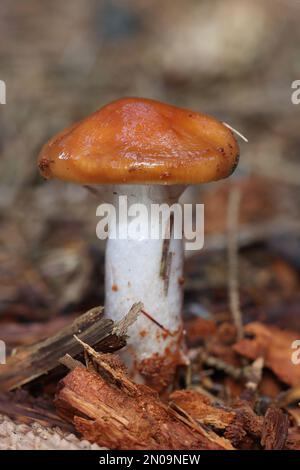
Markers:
(15, 436)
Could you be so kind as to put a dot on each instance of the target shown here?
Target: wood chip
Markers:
(246, 428)
(202, 409)
(293, 439)
(275, 429)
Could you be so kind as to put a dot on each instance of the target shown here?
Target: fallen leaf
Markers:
(275, 346)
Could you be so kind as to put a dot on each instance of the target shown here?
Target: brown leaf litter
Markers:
(275, 346)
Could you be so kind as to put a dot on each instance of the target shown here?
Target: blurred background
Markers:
(234, 59)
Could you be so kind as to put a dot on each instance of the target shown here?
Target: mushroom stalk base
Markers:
(140, 268)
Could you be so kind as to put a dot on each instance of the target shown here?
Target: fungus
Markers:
(148, 151)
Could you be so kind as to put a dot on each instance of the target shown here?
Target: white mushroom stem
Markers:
(140, 268)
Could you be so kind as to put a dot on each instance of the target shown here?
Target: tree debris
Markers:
(246, 427)
(109, 409)
(207, 432)
(28, 363)
(275, 429)
(201, 408)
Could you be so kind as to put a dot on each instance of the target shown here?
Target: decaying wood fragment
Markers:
(294, 414)
(108, 408)
(246, 427)
(120, 328)
(247, 430)
(275, 429)
(293, 439)
(69, 362)
(274, 346)
(202, 409)
(28, 363)
(195, 425)
(16, 334)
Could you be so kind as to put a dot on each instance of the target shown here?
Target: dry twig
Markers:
(233, 262)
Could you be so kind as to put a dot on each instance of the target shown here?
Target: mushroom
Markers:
(148, 151)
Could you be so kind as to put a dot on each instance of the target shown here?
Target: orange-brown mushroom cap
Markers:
(141, 141)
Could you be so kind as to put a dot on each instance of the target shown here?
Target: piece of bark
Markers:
(16, 334)
(236, 433)
(246, 428)
(275, 429)
(70, 363)
(202, 409)
(294, 414)
(206, 431)
(275, 346)
(108, 408)
(31, 362)
(111, 365)
(293, 439)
